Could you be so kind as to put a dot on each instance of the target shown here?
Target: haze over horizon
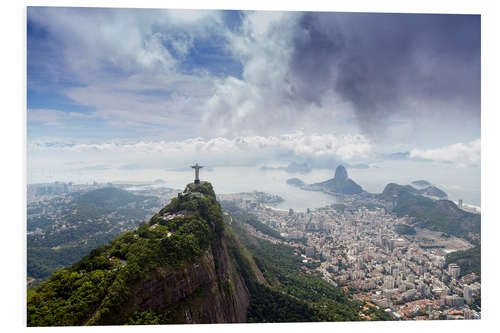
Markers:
(117, 91)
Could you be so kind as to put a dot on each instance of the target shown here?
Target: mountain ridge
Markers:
(180, 267)
(437, 215)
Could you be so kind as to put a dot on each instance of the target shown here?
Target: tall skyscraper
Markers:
(454, 271)
(468, 294)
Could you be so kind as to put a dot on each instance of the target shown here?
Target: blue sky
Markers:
(110, 86)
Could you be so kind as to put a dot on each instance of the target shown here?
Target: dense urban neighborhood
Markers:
(381, 257)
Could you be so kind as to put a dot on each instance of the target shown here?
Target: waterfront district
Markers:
(360, 250)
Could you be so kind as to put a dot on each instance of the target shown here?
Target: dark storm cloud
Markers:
(316, 49)
(382, 63)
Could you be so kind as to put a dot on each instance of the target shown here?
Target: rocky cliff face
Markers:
(184, 266)
(208, 291)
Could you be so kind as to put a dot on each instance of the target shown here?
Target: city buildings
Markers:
(359, 247)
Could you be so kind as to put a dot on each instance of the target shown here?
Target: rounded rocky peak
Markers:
(203, 187)
(340, 173)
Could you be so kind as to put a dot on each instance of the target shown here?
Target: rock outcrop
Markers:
(340, 174)
(340, 184)
(208, 291)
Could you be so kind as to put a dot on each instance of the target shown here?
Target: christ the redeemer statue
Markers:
(196, 168)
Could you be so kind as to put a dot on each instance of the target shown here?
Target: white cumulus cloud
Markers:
(460, 153)
(298, 143)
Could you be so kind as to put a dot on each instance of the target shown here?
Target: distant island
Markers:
(295, 182)
(339, 184)
(293, 167)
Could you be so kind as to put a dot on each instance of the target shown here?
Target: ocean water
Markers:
(459, 182)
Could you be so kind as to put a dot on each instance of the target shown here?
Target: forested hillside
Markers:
(71, 230)
(436, 215)
(468, 260)
(177, 263)
(290, 294)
